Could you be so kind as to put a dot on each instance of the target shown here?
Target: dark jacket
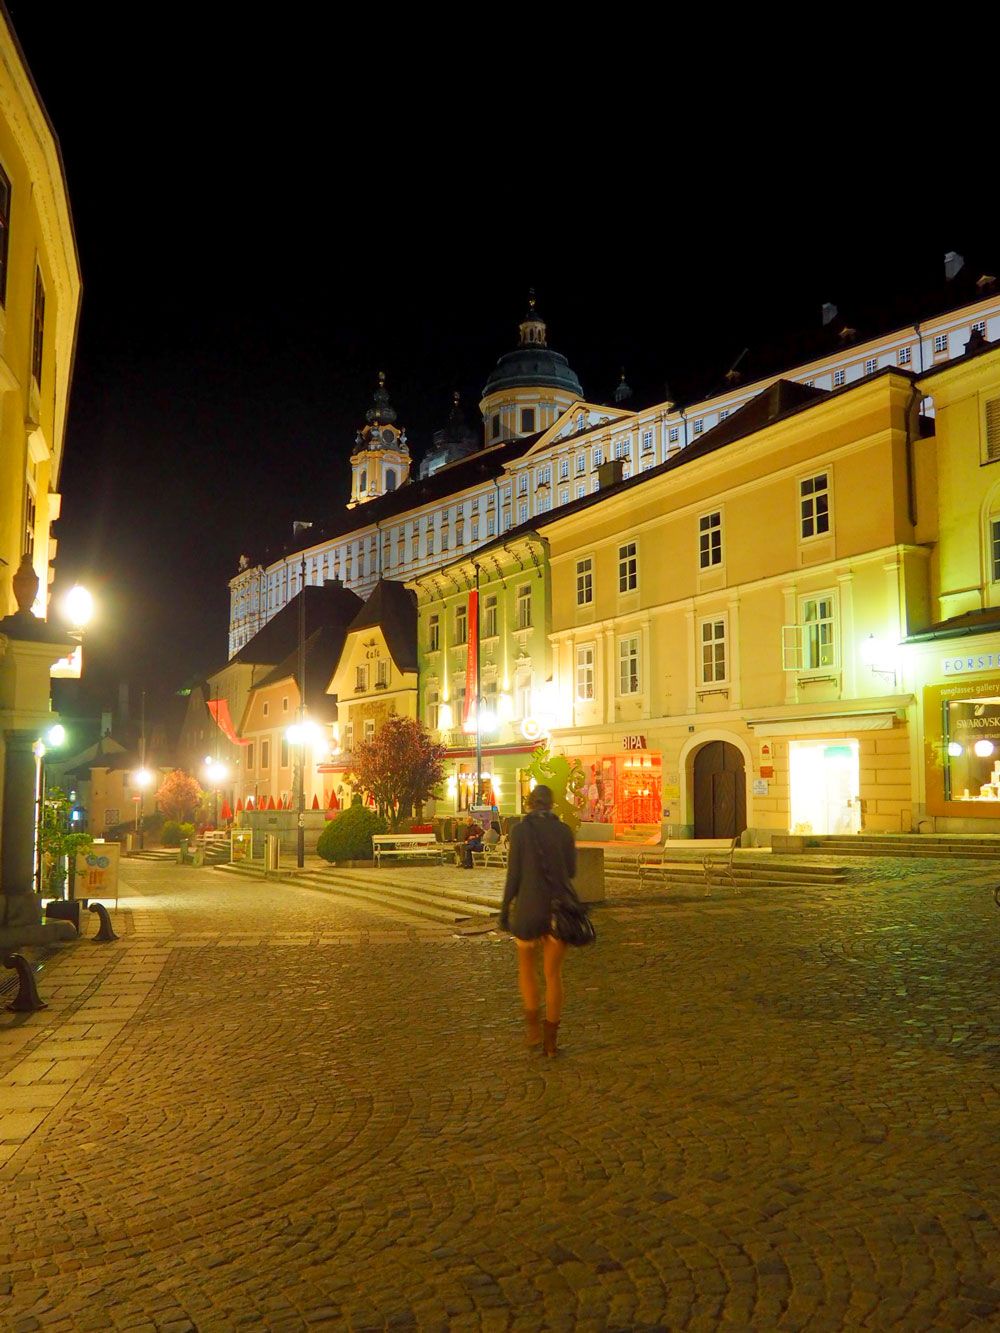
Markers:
(528, 891)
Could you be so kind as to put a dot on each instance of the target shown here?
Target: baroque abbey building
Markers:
(540, 445)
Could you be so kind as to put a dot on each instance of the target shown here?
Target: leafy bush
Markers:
(348, 836)
(173, 834)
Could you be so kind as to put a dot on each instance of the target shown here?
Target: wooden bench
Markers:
(721, 864)
(406, 844)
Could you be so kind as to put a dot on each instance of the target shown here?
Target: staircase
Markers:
(757, 872)
(458, 898)
(972, 846)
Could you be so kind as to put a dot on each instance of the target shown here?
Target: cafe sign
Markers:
(633, 742)
(957, 666)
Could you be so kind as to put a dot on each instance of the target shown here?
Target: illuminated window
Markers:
(940, 342)
(871, 365)
(713, 650)
(647, 441)
(628, 665)
(433, 709)
(369, 729)
(995, 548)
(628, 567)
(585, 672)
(903, 356)
(814, 505)
(38, 329)
(699, 426)
(523, 620)
(710, 540)
(490, 615)
(585, 581)
(673, 434)
(461, 624)
(581, 464)
(819, 630)
(4, 232)
(434, 634)
(838, 378)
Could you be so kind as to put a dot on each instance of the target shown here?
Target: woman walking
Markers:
(541, 860)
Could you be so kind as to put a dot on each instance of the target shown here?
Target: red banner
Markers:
(471, 657)
(219, 708)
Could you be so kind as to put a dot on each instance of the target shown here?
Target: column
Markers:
(17, 848)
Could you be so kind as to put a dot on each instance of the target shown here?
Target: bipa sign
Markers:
(957, 666)
(634, 743)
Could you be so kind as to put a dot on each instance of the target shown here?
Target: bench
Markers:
(492, 856)
(406, 844)
(721, 864)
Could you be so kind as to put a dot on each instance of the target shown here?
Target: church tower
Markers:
(381, 459)
(530, 387)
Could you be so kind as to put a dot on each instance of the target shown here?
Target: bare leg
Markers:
(554, 951)
(526, 978)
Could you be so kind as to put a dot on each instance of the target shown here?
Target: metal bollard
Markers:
(106, 934)
(27, 1000)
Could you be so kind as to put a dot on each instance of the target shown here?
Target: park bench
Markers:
(407, 844)
(492, 856)
(720, 864)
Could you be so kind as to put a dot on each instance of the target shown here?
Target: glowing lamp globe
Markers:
(983, 748)
(78, 606)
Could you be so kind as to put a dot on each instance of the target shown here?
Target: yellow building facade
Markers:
(725, 627)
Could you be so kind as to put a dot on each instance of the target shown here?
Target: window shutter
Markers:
(993, 430)
(791, 647)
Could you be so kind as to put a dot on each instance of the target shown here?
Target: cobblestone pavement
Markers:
(264, 1109)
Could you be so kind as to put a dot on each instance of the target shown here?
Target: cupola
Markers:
(530, 387)
(380, 461)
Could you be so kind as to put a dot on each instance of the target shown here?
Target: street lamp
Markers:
(304, 735)
(141, 779)
(78, 607)
(216, 772)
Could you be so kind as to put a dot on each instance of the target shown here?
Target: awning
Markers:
(219, 708)
(825, 725)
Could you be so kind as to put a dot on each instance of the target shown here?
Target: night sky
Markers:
(268, 215)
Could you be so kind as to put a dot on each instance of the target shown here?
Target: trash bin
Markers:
(272, 852)
(129, 844)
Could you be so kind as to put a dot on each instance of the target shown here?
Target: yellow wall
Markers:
(366, 648)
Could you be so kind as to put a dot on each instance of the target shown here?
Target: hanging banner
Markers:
(471, 658)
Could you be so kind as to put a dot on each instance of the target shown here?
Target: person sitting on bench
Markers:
(473, 842)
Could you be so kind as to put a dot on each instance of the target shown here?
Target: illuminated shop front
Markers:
(624, 789)
(504, 778)
(962, 744)
(824, 782)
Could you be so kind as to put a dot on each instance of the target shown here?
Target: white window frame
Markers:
(940, 343)
(434, 633)
(585, 581)
(360, 679)
(800, 643)
(871, 365)
(382, 673)
(522, 614)
(461, 625)
(490, 615)
(903, 356)
(710, 552)
(809, 512)
(368, 725)
(994, 547)
(839, 377)
(629, 671)
(713, 632)
(699, 426)
(586, 658)
(628, 568)
(673, 434)
(647, 441)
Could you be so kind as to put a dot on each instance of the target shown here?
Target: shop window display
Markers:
(622, 789)
(972, 749)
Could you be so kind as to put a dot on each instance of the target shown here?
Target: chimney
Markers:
(610, 473)
(953, 265)
(829, 313)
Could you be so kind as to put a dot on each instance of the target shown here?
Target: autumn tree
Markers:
(400, 766)
(179, 795)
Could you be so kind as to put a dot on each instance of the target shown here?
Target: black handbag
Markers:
(569, 921)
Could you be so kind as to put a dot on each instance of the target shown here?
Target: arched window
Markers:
(390, 479)
(363, 483)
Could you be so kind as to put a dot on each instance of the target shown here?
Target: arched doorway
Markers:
(720, 791)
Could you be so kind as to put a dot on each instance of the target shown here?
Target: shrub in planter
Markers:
(348, 836)
(173, 834)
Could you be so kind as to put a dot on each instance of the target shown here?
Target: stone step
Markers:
(915, 846)
(765, 873)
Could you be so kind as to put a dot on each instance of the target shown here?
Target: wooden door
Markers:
(720, 791)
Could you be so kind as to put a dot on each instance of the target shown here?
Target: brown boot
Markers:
(551, 1036)
(532, 1027)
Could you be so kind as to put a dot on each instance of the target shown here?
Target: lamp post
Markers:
(216, 772)
(300, 832)
(141, 779)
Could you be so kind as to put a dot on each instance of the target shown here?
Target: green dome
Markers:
(528, 366)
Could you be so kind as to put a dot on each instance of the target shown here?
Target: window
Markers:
(903, 356)
(29, 520)
(461, 624)
(544, 504)
(522, 694)
(814, 505)
(563, 469)
(38, 329)
(871, 365)
(995, 548)
(723, 414)
(544, 476)
(598, 456)
(993, 430)
(434, 634)
(628, 567)
(495, 426)
(363, 482)
(564, 495)
(522, 484)
(699, 426)
(349, 737)
(623, 448)
(490, 616)
(433, 709)
(818, 637)
(284, 753)
(940, 342)
(838, 378)
(4, 232)
(581, 464)
(527, 420)
(474, 528)
(522, 512)
(266, 708)
(382, 674)
(390, 479)
(491, 525)
(581, 490)
(430, 541)
(673, 434)
(628, 665)
(713, 650)
(360, 678)
(249, 762)
(585, 581)
(284, 704)
(369, 728)
(979, 327)
(710, 540)
(523, 617)
(647, 441)
(585, 672)
(265, 756)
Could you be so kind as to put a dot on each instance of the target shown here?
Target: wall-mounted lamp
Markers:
(880, 657)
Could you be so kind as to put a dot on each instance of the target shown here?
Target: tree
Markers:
(179, 795)
(400, 766)
(56, 843)
(565, 777)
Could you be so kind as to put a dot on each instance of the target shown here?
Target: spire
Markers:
(532, 326)
(623, 391)
(381, 410)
